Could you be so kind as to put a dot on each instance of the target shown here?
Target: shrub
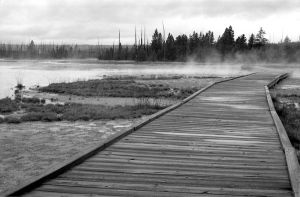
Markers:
(85, 117)
(81, 112)
(7, 105)
(12, 119)
(73, 111)
(33, 107)
(50, 117)
(31, 100)
(119, 87)
(32, 116)
(290, 117)
(59, 109)
(20, 86)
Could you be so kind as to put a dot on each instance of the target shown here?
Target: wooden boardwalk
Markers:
(221, 143)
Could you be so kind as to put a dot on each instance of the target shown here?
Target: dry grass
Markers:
(118, 87)
(284, 102)
(72, 111)
(7, 105)
(290, 117)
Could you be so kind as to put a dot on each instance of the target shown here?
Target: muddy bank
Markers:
(28, 149)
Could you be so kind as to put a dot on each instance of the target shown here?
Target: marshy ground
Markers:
(130, 97)
(58, 121)
(28, 149)
(31, 147)
(286, 98)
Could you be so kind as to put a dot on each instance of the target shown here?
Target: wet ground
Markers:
(289, 91)
(291, 82)
(182, 83)
(93, 100)
(42, 72)
(28, 149)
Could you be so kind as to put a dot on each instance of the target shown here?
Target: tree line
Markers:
(47, 51)
(200, 47)
(205, 47)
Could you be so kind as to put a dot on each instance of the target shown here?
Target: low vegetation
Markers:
(12, 119)
(33, 100)
(118, 87)
(148, 99)
(147, 77)
(289, 115)
(7, 105)
(72, 111)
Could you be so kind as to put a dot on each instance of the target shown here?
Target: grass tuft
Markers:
(12, 119)
(8, 105)
(290, 117)
(33, 100)
(117, 88)
(74, 112)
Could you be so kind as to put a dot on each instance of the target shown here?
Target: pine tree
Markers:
(287, 40)
(32, 49)
(251, 41)
(157, 44)
(208, 39)
(260, 39)
(193, 42)
(170, 48)
(241, 43)
(226, 42)
(181, 44)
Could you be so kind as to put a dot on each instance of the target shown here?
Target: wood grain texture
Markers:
(290, 152)
(222, 142)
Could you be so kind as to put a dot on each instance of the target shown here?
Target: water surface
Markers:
(43, 72)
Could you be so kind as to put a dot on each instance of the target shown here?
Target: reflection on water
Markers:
(29, 74)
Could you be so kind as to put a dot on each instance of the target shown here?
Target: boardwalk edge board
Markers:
(289, 150)
(90, 151)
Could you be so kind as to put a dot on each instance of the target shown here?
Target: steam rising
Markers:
(44, 72)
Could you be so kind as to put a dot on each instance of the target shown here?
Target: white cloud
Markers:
(87, 20)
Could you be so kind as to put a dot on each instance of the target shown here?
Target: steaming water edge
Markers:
(37, 72)
(39, 145)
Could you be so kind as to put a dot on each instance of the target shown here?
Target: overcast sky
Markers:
(87, 21)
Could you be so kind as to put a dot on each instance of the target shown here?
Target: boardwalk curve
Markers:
(222, 142)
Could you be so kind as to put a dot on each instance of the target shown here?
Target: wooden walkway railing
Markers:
(222, 142)
(289, 150)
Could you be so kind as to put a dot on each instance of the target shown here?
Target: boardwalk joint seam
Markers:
(90, 151)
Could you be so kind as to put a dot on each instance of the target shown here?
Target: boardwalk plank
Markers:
(222, 142)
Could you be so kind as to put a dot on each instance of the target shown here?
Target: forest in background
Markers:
(201, 47)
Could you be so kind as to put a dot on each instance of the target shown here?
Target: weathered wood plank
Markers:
(77, 159)
(290, 153)
(244, 182)
(222, 143)
(150, 189)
